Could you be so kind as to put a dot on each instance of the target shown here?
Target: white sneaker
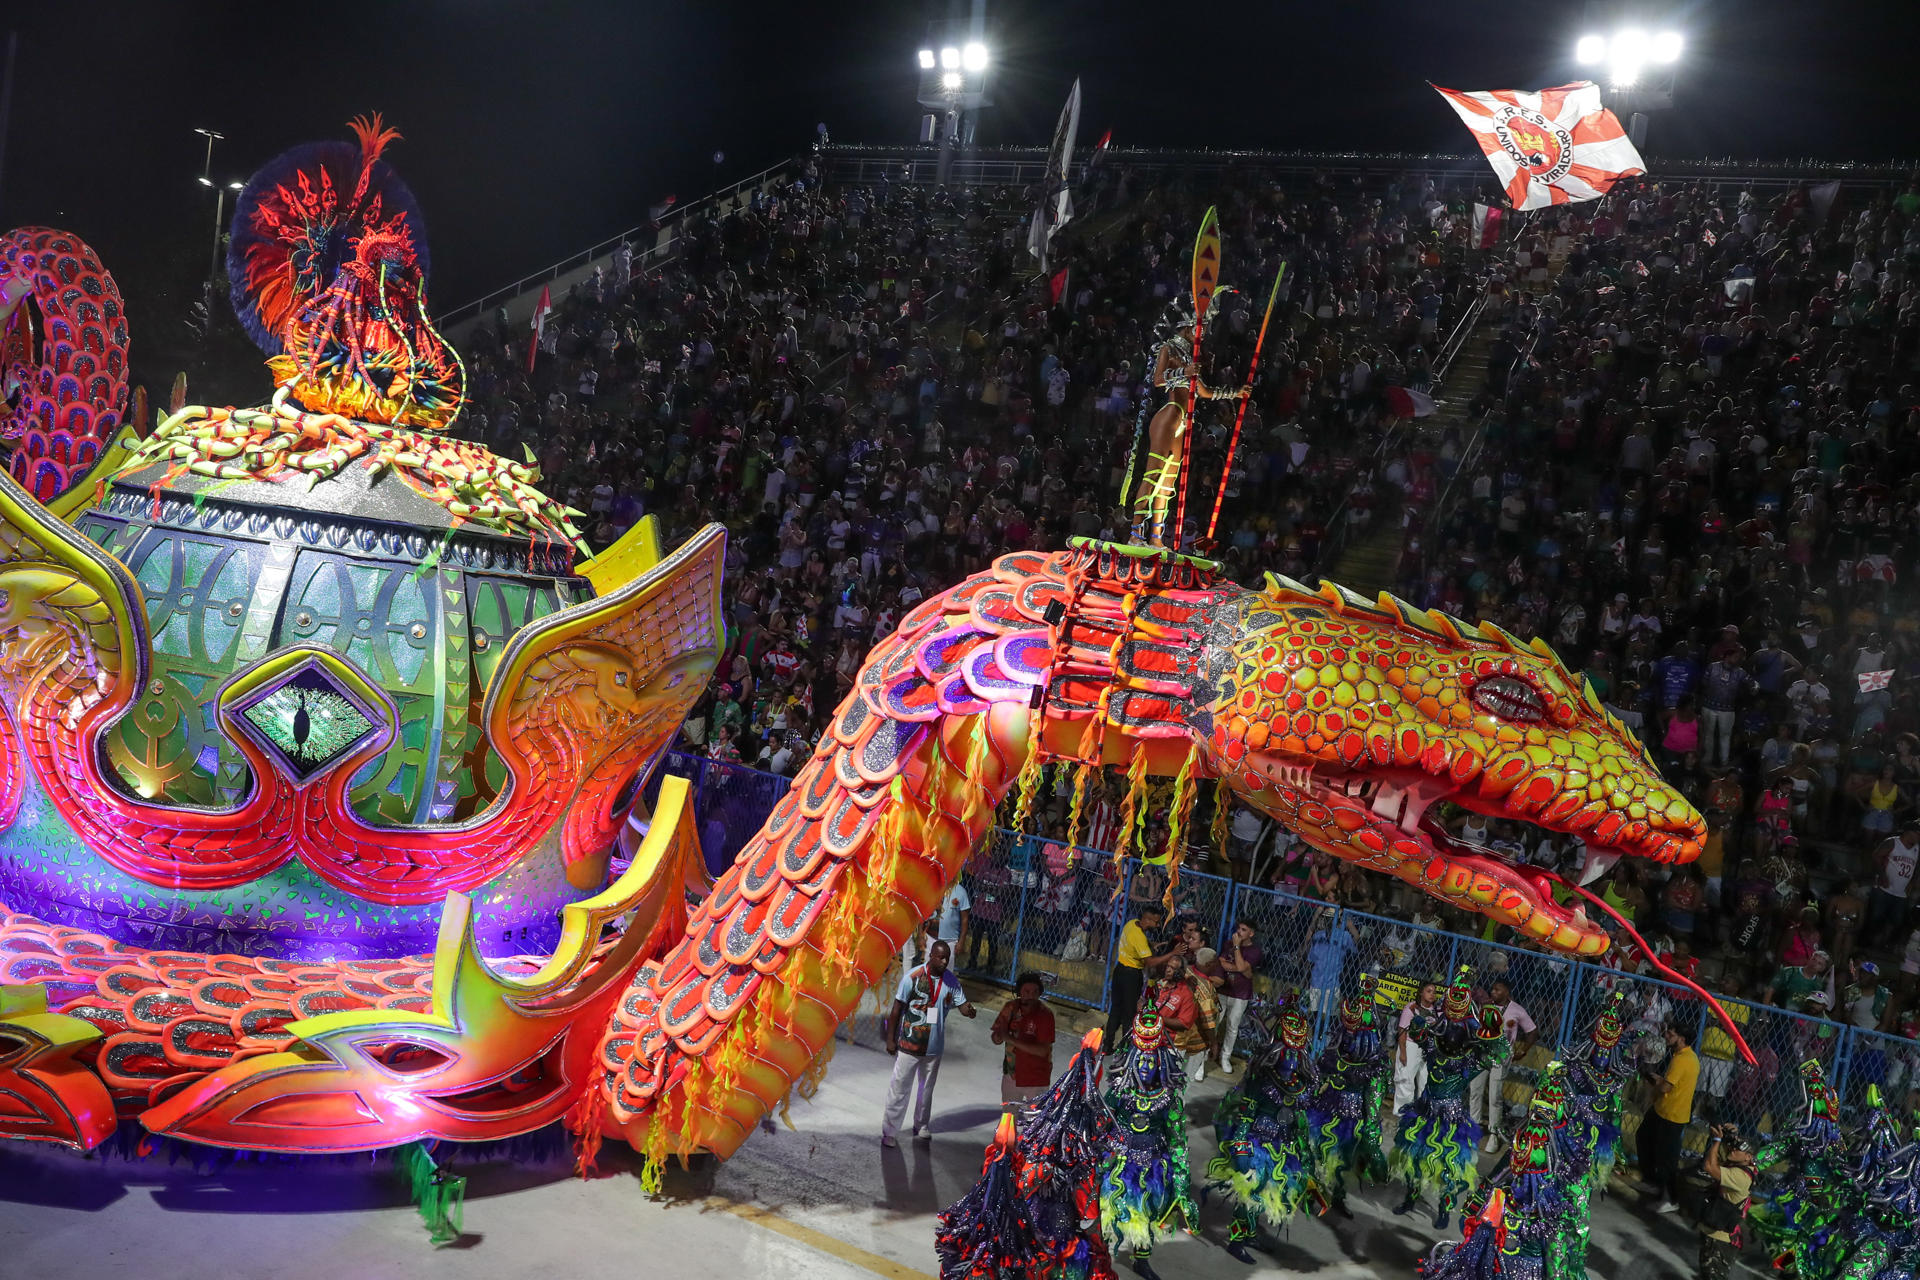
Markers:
(1666, 1206)
(888, 1140)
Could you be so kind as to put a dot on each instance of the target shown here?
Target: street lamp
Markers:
(206, 169)
(219, 217)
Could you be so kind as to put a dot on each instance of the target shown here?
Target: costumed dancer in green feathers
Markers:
(1266, 1148)
(1345, 1115)
(1436, 1147)
(1796, 1216)
(1879, 1237)
(1534, 1221)
(1145, 1185)
(1598, 1073)
(1594, 1078)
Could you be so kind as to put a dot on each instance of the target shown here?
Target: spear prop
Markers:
(1233, 445)
(1206, 278)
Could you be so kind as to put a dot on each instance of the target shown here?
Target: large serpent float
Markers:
(319, 868)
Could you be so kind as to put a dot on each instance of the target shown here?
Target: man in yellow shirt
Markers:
(1667, 1119)
(1131, 960)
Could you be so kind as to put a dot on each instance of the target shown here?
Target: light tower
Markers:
(1635, 60)
(953, 64)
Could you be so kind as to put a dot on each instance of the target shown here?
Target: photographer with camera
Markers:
(1729, 1167)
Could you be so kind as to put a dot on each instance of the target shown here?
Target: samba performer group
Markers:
(1083, 1177)
(1086, 1177)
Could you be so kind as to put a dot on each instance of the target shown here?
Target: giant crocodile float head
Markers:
(1352, 722)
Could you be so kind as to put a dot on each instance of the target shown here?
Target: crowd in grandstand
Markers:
(1690, 471)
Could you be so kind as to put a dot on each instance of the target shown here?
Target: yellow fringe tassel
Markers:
(1132, 812)
(976, 771)
(1181, 809)
(1031, 774)
(653, 1154)
(1217, 833)
(1081, 777)
(809, 1082)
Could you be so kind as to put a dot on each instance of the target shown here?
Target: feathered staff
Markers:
(1206, 279)
(1240, 416)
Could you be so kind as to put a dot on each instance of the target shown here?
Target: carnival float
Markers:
(321, 728)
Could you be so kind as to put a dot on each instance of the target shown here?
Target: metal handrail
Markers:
(1456, 341)
(1724, 168)
(657, 252)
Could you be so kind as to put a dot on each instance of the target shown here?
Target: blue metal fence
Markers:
(732, 801)
(1041, 905)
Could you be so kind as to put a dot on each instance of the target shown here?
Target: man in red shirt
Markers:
(1025, 1027)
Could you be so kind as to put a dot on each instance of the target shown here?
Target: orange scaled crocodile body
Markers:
(1343, 719)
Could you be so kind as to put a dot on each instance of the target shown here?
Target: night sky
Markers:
(534, 129)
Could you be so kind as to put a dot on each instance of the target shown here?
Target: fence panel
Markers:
(1875, 1059)
(1065, 923)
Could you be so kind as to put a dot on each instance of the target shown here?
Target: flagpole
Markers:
(1201, 254)
(1233, 444)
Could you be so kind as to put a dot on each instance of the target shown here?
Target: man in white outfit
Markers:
(916, 1037)
(1409, 1063)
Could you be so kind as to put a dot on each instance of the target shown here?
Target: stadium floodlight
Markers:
(236, 186)
(974, 56)
(206, 181)
(951, 81)
(950, 58)
(926, 59)
(1628, 52)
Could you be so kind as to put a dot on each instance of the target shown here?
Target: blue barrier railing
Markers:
(1045, 906)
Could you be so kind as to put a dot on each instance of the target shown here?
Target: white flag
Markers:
(1056, 202)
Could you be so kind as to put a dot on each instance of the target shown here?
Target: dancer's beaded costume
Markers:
(1145, 1189)
(1536, 1215)
(1345, 1115)
(1480, 1252)
(1878, 1238)
(1597, 1074)
(1035, 1213)
(1796, 1216)
(1266, 1146)
(1436, 1146)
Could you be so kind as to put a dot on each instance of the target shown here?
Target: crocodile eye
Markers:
(1510, 699)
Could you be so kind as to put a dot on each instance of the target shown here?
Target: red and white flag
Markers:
(1405, 402)
(1486, 226)
(541, 311)
(1556, 146)
(1873, 681)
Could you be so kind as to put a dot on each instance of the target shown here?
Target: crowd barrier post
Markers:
(1020, 921)
(1570, 1014)
(1119, 911)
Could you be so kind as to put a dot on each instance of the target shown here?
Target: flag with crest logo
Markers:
(1554, 146)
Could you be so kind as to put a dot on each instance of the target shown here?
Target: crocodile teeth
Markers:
(1598, 864)
(1293, 775)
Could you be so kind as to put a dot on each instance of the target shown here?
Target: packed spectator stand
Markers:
(1689, 468)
